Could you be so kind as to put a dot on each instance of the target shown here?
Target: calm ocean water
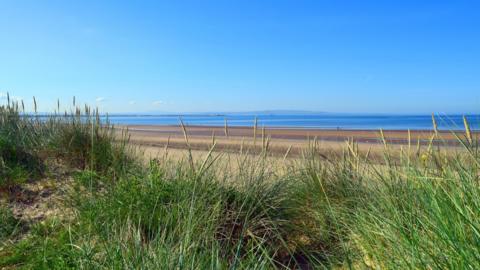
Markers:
(322, 121)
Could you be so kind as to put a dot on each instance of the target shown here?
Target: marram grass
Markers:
(418, 209)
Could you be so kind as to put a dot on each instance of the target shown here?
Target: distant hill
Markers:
(281, 112)
(263, 112)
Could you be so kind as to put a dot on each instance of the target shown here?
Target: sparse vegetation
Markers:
(9, 225)
(418, 209)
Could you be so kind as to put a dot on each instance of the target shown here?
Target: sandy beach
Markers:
(278, 140)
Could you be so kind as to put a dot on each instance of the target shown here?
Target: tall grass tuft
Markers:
(19, 143)
(10, 226)
(87, 142)
(422, 213)
(82, 139)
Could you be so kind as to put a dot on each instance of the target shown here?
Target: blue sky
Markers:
(194, 56)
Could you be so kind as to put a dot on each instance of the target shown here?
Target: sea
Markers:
(307, 121)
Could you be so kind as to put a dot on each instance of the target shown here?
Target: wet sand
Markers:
(368, 136)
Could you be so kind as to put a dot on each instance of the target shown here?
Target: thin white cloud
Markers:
(157, 103)
(132, 102)
(100, 99)
(16, 98)
(4, 96)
